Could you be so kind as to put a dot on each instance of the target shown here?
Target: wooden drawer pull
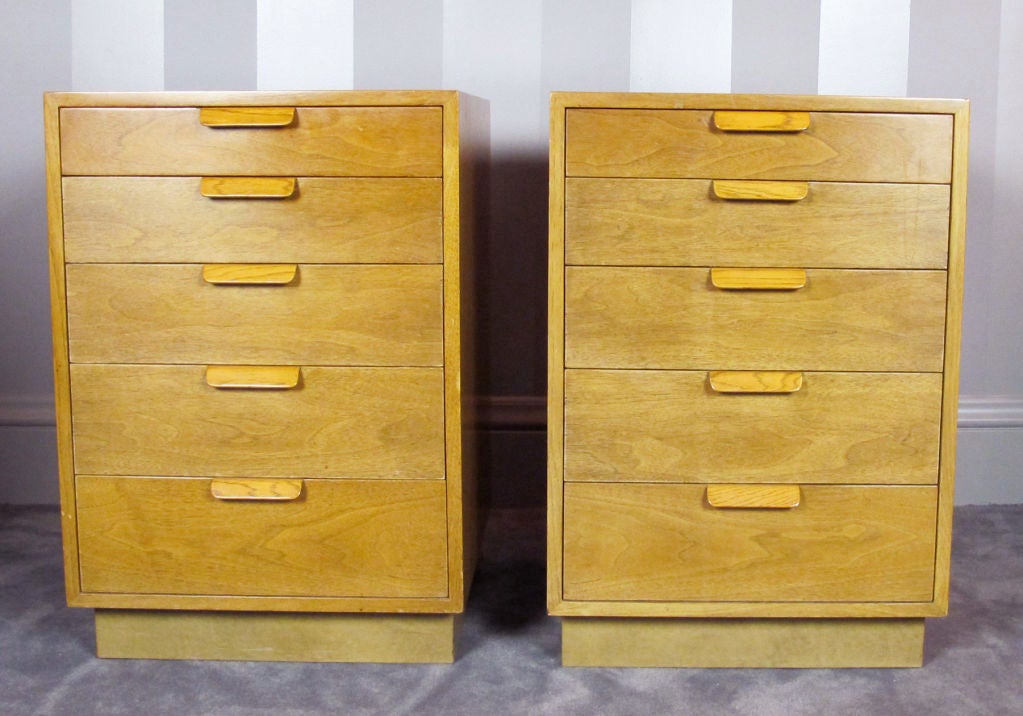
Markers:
(732, 190)
(771, 497)
(249, 274)
(247, 187)
(228, 117)
(737, 121)
(758, 279)
(755, 381)
(253, 377)
(257, 489)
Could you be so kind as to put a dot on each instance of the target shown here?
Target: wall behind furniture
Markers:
(514, 53)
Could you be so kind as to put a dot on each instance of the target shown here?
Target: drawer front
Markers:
(680, 426)
(840, 320)
(335, 422)
(324, 220)
(837, 146)
(681, 222)
(336, 539)
(325, 315)
(665, 542)
(320, 141)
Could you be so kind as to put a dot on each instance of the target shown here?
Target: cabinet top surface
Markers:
(253, 98)
(658, 100)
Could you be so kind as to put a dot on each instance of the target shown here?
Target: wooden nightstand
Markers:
(261, 311)
(755, 308)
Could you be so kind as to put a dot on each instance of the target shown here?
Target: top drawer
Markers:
(835, 146)
(318, 141)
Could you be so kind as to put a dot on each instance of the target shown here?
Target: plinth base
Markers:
(742, 643)
(272, 636)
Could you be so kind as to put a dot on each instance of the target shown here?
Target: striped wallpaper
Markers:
(514, 53)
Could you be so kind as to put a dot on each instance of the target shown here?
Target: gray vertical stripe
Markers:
(399, 45)
(953, 52)
(35, 55)
(209, 45)
(775, 46)
(585, 45)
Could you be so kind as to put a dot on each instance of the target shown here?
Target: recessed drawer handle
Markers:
(758, 279)
(249, 274)
(253, 377)
(751, 497)
(759, 121)
(228, 117)
(755, 381)
(257, 489)
(731, 190)
(247, 187)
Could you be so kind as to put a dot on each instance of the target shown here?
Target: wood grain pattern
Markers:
(662, 542)
(323, 141)
(682, 144)
(170, 536)
(248, 377)
(678, 222)
(257, 489)
(246, 116)
(754, 381)
(248, 187)
(743, 643)
(328, 220)
(669, 426)
(761, 121)
(673, 318)
(768, 497)
(249, 274)
(329, 315)
(252, 636)
(758, 279)
(760, 190)
(341, 422)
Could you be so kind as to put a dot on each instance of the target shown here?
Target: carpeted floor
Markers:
(510, 661)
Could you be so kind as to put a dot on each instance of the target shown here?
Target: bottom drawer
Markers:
(351, 538)
(657, 542)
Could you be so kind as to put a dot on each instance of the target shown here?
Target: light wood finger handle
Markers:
(249, 274)
(734, 190)
(753, 497)
(253, 117)
(247, 187)
(257, 489)
(758, 279)
(253, 377)
(760, 121)
(754, 381)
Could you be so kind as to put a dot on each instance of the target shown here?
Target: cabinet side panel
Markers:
(61, 379)
(556, 352)
(953, 339)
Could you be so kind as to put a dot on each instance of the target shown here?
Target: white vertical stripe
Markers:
(492, 48)
(305, 45)
(681, 46)
(116, 45)
(864, 47)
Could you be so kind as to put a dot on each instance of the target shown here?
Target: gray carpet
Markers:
(510, 663)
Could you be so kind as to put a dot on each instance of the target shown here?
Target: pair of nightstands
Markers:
(262, 314)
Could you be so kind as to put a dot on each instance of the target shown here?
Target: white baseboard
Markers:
(529, 412)
(25, 411)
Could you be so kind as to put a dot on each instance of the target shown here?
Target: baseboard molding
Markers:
(511, 412)
(529, 412)
(991, 411)
(26, 411)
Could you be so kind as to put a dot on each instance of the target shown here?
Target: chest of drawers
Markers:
(754, 333)
(262, 311)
